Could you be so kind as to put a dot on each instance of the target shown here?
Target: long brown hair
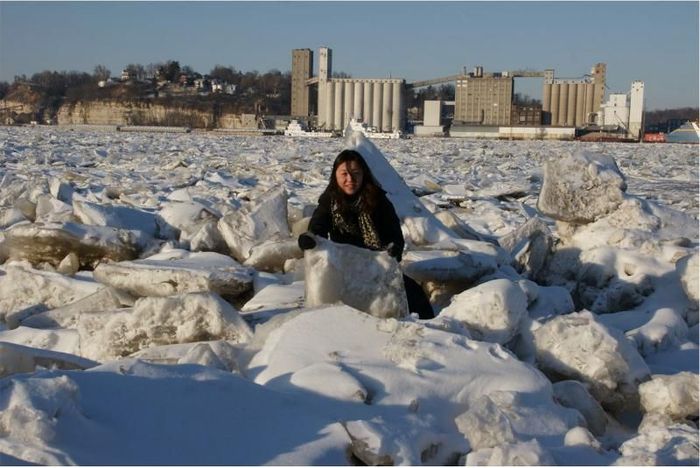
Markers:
(368, 192)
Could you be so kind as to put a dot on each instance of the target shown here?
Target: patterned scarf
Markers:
(364, 226)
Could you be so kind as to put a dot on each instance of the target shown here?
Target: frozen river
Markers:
(153, 304)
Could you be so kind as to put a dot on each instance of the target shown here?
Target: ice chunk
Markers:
(16, 358)
(666, 329)
(25, 291)
(60, 190)
(578, 347)
(271, 255)
(207, 238)
(445, 266)
(156, 321)
(485, 425)
(530, 245)
(492, 311)
(672, 395)
(249, 226)
(10, 217)
(581, 187)
(193, 222)
(51, 243)
(551, 300)
(67, 316)
(573, 394)
(688, 269)
(185, 217)
(366, 280)
(59, 340)
(529, 453)
(509, 417)
(611, 280)
(120, 217)
(210, 353)
(49, 210)
(581, 436)
(178, 271)
(462, 229)
(274, 299)
(673, 445)
(202, 354)
(70, 265)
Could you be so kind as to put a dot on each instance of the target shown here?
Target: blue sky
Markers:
(656, 42)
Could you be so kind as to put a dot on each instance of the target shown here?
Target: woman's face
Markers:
(349, 176)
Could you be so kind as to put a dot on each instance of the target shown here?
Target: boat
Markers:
(689, 132)
(654, 137)
(296, 129)
(371, 132)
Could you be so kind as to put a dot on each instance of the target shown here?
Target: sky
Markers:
(656, 42)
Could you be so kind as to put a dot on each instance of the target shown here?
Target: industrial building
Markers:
(623, 113)
(302, 71)
(483, 99)
(375, 101)
(483, 102)
(574, 102)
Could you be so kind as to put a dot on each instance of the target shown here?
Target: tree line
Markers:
(661, 116)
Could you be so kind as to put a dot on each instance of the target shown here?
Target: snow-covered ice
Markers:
(156, 309)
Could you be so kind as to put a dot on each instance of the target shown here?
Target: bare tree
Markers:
(101, 73)
(152, 70)
(137, 71)
(227, 74)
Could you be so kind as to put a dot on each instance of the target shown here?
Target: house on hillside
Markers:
(128, 75)
(220, 86)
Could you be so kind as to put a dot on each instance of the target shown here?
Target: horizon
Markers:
(408, 40)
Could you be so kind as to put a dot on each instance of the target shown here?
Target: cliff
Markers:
(131, 113)
(30, 106)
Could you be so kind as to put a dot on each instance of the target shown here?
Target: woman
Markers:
(355, 210)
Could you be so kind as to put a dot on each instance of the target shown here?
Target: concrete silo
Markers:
(338, 110)
(386, 106)
(348, 92)
(580, 104)
(330, 106)
(396, 110)
(546, 102)
(377, 105)
(563, 101)
(367, 104)
(571, 105)
(357, 104)
(589, 102)
(555, 104)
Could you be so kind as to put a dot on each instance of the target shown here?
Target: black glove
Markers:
(394, 251)
(306, 242)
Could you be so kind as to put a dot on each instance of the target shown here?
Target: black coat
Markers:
(386, 223)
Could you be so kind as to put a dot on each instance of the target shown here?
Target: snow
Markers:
(155, 308)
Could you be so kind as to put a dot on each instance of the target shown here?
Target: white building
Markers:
(432, 113)
(615, 112)
(624, 111)
(218, 86)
